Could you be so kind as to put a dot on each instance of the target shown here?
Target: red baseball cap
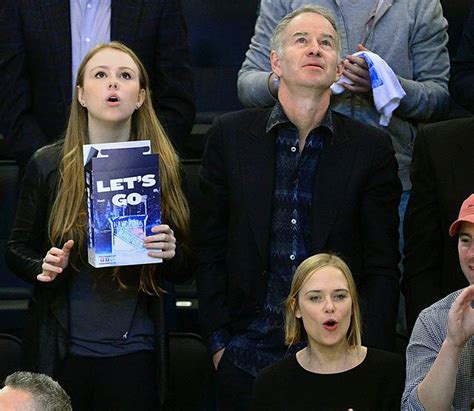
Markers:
(466, 213)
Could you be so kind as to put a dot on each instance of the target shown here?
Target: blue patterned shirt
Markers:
(262, 343)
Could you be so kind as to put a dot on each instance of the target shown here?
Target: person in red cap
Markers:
(440, 356)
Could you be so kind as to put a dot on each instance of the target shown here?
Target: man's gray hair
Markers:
(46, 394)
(276, 42)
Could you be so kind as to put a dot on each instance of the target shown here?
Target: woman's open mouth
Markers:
(330, 325)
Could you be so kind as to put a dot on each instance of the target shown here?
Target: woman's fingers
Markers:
(164, 250)
(162, 244)
(165, 255)
(51, 267)
(151, 241)
(163, 237)
(162, 228)
(51, 259)
(46, 278)
(55, 261)
(67, 247)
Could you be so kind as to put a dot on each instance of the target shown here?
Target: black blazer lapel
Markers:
(257, 163)
(330, 185)
(125, 20)
(57, 20)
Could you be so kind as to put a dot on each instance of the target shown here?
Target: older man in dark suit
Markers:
(38, 42)
(284, 183)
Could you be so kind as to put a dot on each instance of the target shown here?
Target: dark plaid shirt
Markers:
(263, 342)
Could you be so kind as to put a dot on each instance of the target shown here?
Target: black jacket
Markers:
(442, 175)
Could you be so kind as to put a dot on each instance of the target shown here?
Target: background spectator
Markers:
(461, 84)
(43, 42)
(440, 356)
(27, 391)
(442, 177)
(334, 370)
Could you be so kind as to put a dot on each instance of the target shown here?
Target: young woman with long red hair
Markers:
(97, 330)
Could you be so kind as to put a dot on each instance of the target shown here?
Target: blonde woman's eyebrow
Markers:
(333, 291)
(108, 68)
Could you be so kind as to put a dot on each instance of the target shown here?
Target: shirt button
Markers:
(292, 257)
(293, 221)
(89, 6)
(87, 39)
(293, 149)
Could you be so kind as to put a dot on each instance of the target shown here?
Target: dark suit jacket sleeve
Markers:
(461, 84)
(212, 241)
(22, 133)
(173, 91)
(423, 236)
(379, 225)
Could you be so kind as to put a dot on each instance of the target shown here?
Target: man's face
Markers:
(14, 400)
(310, 53)
(466, 250)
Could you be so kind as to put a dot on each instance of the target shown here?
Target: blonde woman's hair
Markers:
(294, 330)
(68, 218)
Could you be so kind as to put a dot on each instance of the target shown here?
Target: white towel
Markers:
(386, 89)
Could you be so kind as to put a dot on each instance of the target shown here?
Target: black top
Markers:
(375, 384)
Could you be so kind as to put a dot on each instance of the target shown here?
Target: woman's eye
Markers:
(126, 76)
(301, 40)
(315, 298)
(100, 74)
(340, 296)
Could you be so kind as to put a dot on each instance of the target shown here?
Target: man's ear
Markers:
(275, 62)
(339, 69)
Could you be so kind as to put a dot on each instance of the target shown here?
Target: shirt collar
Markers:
(278, 117)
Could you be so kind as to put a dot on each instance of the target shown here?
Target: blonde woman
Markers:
(334, 371)
(97, 330)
